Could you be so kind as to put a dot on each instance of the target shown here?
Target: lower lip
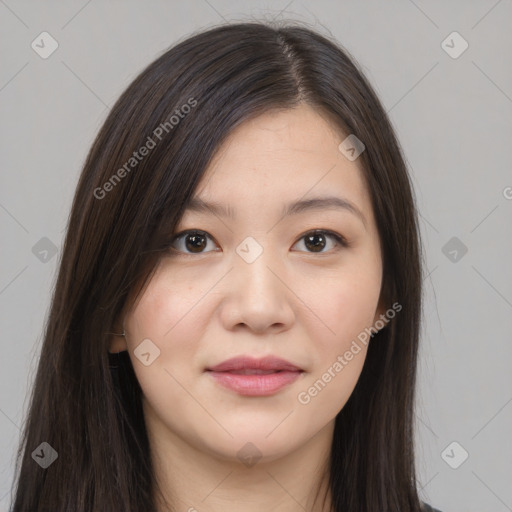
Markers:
(255, 385)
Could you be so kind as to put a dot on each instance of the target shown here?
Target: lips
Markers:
(255, 377)
(269, 364)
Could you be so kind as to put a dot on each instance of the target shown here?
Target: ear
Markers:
(117, 342)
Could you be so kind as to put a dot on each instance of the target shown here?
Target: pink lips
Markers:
(255, 377)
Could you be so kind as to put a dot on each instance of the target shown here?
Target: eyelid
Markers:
(340, 240)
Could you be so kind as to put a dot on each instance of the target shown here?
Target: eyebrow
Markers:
(198, 205)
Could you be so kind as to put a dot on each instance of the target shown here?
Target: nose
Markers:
(258, 296)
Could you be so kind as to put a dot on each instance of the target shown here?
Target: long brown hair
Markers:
(85, 402)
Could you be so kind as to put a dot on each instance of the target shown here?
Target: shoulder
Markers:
(428, 508)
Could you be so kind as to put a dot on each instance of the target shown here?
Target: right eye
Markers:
(192, 241)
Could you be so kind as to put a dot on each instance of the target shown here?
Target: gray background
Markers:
(452, 116)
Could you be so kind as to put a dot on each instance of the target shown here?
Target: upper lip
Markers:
(251, 363)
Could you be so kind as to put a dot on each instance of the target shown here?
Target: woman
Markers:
(236, 317)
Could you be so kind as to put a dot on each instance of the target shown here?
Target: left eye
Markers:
(314, 241)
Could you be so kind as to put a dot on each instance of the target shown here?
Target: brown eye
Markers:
(191, 242)
(316, 241)
(195, 242)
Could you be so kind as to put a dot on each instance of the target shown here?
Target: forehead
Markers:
(279, 157)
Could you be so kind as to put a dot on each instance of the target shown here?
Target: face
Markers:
(287, 294)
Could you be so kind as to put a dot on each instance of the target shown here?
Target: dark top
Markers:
(428, 508)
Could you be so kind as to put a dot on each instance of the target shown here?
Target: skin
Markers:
(307, 307)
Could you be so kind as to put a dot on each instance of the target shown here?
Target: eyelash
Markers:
(339, 240)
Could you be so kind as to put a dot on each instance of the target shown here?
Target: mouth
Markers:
(252, 371)
(255, 377)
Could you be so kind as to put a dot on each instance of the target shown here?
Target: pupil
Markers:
(195, 242)
(316, 245)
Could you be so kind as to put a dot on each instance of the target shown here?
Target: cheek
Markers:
(170, 302)
(347, 308)
(348, 303)
(170, 314)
